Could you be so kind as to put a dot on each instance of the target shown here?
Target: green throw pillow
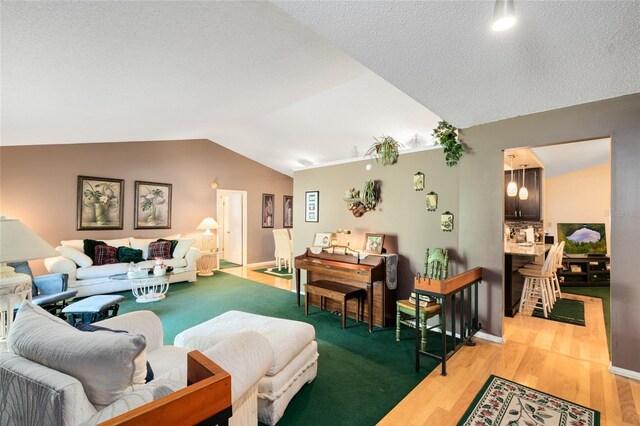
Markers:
(174, 243)
(90, 248)
(128, 254)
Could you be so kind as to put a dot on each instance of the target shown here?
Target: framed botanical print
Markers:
(432, 201)
(287, 213)
(373, 243)
(312, 206)
(267, 210)
(152, 205)
(99, 203)
(418, 181)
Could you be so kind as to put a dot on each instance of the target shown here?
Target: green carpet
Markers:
(280, 273)
(361, 375)
(602, 292)
(564, 310)
(502, 402)
(224, 264)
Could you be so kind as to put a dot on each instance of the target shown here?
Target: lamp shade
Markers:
(19, 243)
(512, 189)
(207, 224)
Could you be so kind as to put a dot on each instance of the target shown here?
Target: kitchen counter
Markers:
(515, 257)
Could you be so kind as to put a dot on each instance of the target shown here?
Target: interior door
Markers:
(233, 228)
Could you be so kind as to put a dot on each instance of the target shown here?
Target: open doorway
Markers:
(232, 234)
(569, 194)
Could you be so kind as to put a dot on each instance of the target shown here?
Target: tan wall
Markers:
(401, 215)
(481, 205)
(38, 186)
(580, 197)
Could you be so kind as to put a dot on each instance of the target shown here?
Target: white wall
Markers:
(579, 197)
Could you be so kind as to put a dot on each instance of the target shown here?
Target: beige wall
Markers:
(38, 186)
(481, 204)
(583, 196)
(401, 215)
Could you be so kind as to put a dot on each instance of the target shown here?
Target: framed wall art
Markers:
(446, 221)
(373, 243)
(287, 213)
(432, 201)
(267, 210)
(99, 203)
(418, 181)
(152, 208)
(312, 206)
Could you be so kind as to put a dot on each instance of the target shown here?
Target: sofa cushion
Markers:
(105, 255)
(128, 254)
(101, 271)
(107, 364)
(182, 247)
(159, 250)
(174, 243)
(117, 242)
(79, 258)
(76, 244)
(90, 248)
(142, 244)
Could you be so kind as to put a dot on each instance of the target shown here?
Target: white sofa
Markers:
(89, 279)
(55, 374)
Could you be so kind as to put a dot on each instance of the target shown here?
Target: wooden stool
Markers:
(334, 291)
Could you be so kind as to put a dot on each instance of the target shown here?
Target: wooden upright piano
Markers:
(368, 273)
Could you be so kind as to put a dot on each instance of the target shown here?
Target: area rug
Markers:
(564, 310)
(280, 273)
(503, 402)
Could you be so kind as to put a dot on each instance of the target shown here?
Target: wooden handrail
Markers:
(207, 395)
(449, 285)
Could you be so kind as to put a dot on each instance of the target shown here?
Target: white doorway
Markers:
(232, 234)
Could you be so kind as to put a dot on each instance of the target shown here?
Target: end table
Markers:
(208, 263)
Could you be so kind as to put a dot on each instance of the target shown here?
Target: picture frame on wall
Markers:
(312, 206)
(267, 210)
(99, 203)
(287, 211)
(152, 205)
(373, 243)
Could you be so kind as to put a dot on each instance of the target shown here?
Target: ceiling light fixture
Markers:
(524, 192)
(512, 188)
(504, 15)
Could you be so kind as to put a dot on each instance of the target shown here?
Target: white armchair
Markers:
(284, 249)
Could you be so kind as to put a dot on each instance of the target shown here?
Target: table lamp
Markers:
(208, 223)
(17, 244)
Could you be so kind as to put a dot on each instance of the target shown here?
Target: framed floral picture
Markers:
(373, 243)
(267, 210)
(287, 214)
(152, 205)
(99, 203)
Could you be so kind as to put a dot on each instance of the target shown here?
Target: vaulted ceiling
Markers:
(295, 83)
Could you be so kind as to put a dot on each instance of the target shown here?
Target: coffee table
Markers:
(147, 289)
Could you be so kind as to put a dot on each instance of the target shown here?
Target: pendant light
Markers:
(524, 192)
(512, 188)
(504, 15)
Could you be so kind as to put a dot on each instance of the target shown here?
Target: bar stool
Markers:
(537, 290)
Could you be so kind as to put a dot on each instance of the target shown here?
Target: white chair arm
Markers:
(193, 254)
(140, 322)
(61, 265)
(247, 356)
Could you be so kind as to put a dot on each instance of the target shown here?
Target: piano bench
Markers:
(334, 291)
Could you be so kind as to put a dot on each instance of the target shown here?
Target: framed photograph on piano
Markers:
(322, 239)
(373, 243)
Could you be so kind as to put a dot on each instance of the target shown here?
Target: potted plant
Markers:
(386, 149)
(447, 136)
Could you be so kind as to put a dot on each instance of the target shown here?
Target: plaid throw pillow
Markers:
(159, 249)
(105, 255)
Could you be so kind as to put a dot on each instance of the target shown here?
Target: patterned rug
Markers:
(564, 310)
(506, 403)
(280, 273)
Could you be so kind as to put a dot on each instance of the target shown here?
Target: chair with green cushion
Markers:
(435, 267)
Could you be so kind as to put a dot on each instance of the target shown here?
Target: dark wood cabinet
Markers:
(581, 271)
(529, 209)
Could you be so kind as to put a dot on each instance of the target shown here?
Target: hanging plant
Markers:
(447, 136)
(386, 149)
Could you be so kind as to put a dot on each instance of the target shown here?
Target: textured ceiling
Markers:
(444, 54)
(303, 82)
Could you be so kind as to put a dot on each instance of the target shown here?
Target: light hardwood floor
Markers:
(564, 360)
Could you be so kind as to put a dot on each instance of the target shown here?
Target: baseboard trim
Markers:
(261, 264)
(624, 372)
(490, 337)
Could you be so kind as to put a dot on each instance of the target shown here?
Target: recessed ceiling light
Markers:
(504, 16)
